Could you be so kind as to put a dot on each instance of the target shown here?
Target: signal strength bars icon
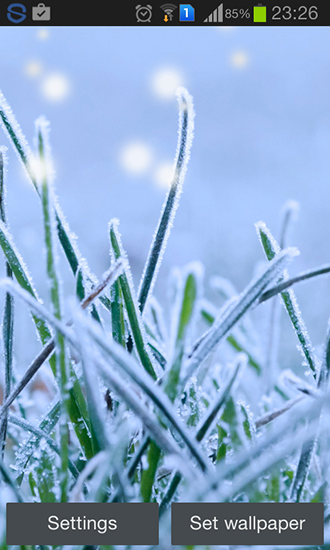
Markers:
(216, 16)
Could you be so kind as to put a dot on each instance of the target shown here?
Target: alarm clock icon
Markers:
(143, 13)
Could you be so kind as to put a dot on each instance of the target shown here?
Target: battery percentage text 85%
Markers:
(235, 13)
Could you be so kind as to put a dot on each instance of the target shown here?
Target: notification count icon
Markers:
(16, 13)
(143, 13)
(187, 12)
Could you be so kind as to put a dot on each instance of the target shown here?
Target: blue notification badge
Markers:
(187, 12)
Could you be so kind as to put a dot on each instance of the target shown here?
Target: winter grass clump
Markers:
(152, 405)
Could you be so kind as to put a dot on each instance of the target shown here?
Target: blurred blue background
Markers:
(262, 135)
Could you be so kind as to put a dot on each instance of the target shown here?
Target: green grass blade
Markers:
(62, 375)
(148, 475)
(305, 276)
(271, 370)
(5, 474)
(158, 434)
(21, 147)
(40, 434)
(81, 293)
(201, 432)
(77, 400)
(289, 214)
(272, 249)
(108, 278)
(7, 335)
(214, 409)
(283, 440)
(16, 137)
(124, 360)
(132, 310)
(269, 417)
(158, 353)
(26, 451)
(126, 363)
(187, 296)
(21, 275)
(167, 498)
(225, 323)
(96, 419)
(309, 445)
(186, 130)
(157, 320)
(117, 315)
(209, 314)
(8, 315)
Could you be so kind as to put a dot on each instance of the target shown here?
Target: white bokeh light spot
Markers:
(239, 59)
(226, 28)
(136, 157)
(33, 68)
(43, 34)
(165, 82)
(164, 175)
(55, 87)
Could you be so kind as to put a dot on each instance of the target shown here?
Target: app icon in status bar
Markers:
(41, 13)
(143, 13)
(187, 13)
(16, 13)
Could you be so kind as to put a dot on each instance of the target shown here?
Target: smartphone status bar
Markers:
(230, 13)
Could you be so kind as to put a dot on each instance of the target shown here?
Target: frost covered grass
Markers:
(152, 404)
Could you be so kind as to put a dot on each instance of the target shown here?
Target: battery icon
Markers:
(259, 14)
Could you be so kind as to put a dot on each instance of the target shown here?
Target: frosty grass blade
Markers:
(226, 322)
(201, 431)
(273, 291)
(272, 249)
(124, 360)
(280, 442)
(109, 277)
(45, 185)
(133, 313)
(126, 363)
(309, 445)
(27, 426)
(183, 315)
(158, 245)
(209, 313)
(21, 147)
(26, 450)
(93, 395)
(8, 314)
